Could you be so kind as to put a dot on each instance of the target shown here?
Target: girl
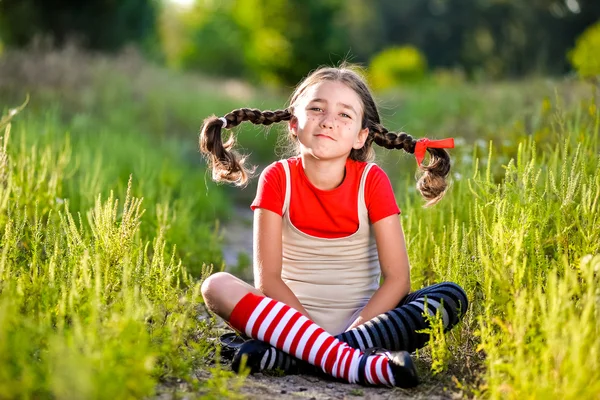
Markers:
(326, 227)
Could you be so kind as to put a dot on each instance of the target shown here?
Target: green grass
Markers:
(526, 247)
(99, 288)
(109, 222)
(90, 304)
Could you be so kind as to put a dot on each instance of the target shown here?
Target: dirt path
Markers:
(295, 387)
(237, 243)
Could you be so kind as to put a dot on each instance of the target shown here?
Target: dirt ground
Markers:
(259, 386)
(294, 387)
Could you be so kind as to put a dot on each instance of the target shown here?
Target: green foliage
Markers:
(86, 311)
(356, 392)
(547, 345)
(437, 346)
(484, 39)
(256, 39)
(585, 57)
(224, 384)
(280, 41)
(99, 289)
(220, 53)
(87, 163)
(397, 66)
(519, 231)
(118, 124)
(130, 21)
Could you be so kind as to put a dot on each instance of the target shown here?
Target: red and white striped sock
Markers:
(285, 328)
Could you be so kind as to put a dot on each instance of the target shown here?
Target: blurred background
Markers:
(277, 42)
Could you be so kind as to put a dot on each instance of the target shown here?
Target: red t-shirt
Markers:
(326, 213)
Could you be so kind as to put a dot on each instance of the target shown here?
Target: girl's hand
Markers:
(357, 322)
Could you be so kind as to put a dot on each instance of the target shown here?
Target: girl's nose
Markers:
(327, 121)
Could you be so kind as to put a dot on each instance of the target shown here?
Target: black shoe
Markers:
(403, 369)
(230, 343)
(253, 352)
(401, 364)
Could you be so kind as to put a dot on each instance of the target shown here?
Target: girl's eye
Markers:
(345, 115)
(315, 109)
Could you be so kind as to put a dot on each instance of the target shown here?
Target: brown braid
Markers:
(432, 184)
(392, 140)
(226, 164)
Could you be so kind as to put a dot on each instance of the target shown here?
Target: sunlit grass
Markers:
(526, 248)
(89, 306)
(108, 222)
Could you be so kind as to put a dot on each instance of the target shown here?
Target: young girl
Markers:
(326, 228)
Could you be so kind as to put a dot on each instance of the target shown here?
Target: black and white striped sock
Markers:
(274, 358)
(397, 329)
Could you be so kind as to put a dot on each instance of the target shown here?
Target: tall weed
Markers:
(91, 306)
(525, 246)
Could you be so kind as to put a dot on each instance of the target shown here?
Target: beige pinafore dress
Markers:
(332, 278)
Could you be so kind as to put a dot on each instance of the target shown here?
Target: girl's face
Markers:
(327, 121)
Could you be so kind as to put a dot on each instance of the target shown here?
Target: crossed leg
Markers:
(268, 320)
(396, 330)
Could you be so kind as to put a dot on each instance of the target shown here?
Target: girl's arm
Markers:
(267, 259)
(395, 269)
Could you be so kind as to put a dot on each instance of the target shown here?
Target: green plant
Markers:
(523, 246)
(397, 66)
(91, 303)
(584, 56)
(437, 345)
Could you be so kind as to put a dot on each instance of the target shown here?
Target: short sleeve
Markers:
(379, 195)
(270, 193)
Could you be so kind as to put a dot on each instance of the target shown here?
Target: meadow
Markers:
(109, 222)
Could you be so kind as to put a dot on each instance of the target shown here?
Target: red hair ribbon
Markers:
(424, 144)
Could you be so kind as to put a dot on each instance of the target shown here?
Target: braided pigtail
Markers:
(226, 164)
(432, 184)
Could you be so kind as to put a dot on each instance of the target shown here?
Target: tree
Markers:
(272, 41)
(585, 57)
(285, 39)
(499, 37)
(97, 24)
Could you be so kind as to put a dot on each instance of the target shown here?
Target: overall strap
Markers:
(362, 204)
(288, 186)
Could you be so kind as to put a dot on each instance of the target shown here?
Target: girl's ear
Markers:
(293, 125)
(361, 138)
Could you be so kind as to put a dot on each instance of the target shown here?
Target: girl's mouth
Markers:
(324, 136)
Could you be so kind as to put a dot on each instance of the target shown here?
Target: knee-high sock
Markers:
(396, 329)
(286, 329)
